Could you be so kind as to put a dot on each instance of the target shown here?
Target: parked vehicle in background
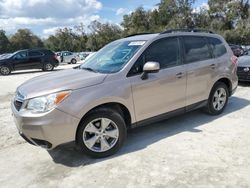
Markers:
(237, 50)
(69, 57)
(132, 81)
(243, 70)
(89, 56)
(28, 59)
(58, 56)
(83, 55)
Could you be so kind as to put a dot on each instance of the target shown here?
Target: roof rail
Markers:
(146, 33)
(188, 30)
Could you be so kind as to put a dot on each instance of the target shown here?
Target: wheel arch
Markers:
(119, 107)
(227, 82)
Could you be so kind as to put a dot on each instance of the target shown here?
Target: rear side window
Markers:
(217, 46)
(196, 49)
(47, 52)
(164, 51)
(35, 53)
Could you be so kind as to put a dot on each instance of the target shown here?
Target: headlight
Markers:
(46, 103)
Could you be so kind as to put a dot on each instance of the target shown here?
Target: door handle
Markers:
(212, 66)
(179, 75)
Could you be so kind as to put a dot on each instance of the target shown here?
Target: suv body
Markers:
(132, 81)
(28, 59)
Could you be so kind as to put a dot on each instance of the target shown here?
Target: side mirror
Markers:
(150, 67)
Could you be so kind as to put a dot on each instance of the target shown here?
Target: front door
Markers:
(164, 91)
(20, 61)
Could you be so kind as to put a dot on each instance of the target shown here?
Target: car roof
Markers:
(141, 37)
(147, 37)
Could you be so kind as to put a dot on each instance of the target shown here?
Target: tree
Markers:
(4, 42)
(136, 22)
(102, 34)
(25, 39)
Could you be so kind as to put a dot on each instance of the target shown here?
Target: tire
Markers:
(218, 99)
(5, 70)
(73, 61)
(105, 141)
(48, 67)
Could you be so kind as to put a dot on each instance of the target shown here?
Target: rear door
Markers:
(35, 59)
(200, 68)
(164, 91)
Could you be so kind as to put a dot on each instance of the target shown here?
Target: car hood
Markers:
(62, 80)
(244, 61)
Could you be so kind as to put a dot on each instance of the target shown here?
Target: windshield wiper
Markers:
(89, 69)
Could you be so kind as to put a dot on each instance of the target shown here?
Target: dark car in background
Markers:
(28, 59)
(243, 70)
(237, 50)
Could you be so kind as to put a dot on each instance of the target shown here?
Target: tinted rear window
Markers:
(35, 53)
(48, 52)
(217, 46)
(196, 49)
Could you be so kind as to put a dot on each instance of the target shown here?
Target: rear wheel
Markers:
(218, 99)
(102, 133)
(48, 67)
(5, 70)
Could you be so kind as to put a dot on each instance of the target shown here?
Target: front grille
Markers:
(18, 100)
(242, 74)
(18, 105)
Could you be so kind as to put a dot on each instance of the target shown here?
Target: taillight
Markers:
(234, 60)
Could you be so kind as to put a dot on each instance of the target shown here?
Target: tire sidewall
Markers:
(211, 108)
(102, 113)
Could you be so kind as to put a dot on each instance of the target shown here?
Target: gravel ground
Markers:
(192, 150)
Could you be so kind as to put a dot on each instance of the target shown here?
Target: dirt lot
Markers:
(192, 150)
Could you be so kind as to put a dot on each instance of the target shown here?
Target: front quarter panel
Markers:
(83, 100)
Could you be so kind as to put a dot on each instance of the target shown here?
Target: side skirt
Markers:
(170, 114)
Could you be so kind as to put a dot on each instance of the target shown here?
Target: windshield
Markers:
(113, 57)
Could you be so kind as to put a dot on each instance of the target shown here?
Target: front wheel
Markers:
(101, 133)
(218, 99)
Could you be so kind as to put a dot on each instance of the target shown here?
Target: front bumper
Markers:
(46, 130)
(242, 74)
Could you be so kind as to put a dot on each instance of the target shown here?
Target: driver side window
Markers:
(164, 51)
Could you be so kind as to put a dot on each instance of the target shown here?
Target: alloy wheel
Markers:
(48, 67)
(100, 135)
(219, 99)
(5, 70)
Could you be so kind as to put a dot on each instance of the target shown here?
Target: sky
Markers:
(44, 17)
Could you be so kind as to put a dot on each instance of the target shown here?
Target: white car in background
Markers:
(67, 57)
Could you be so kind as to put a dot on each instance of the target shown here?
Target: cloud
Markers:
(15, 14)
(121, 11)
